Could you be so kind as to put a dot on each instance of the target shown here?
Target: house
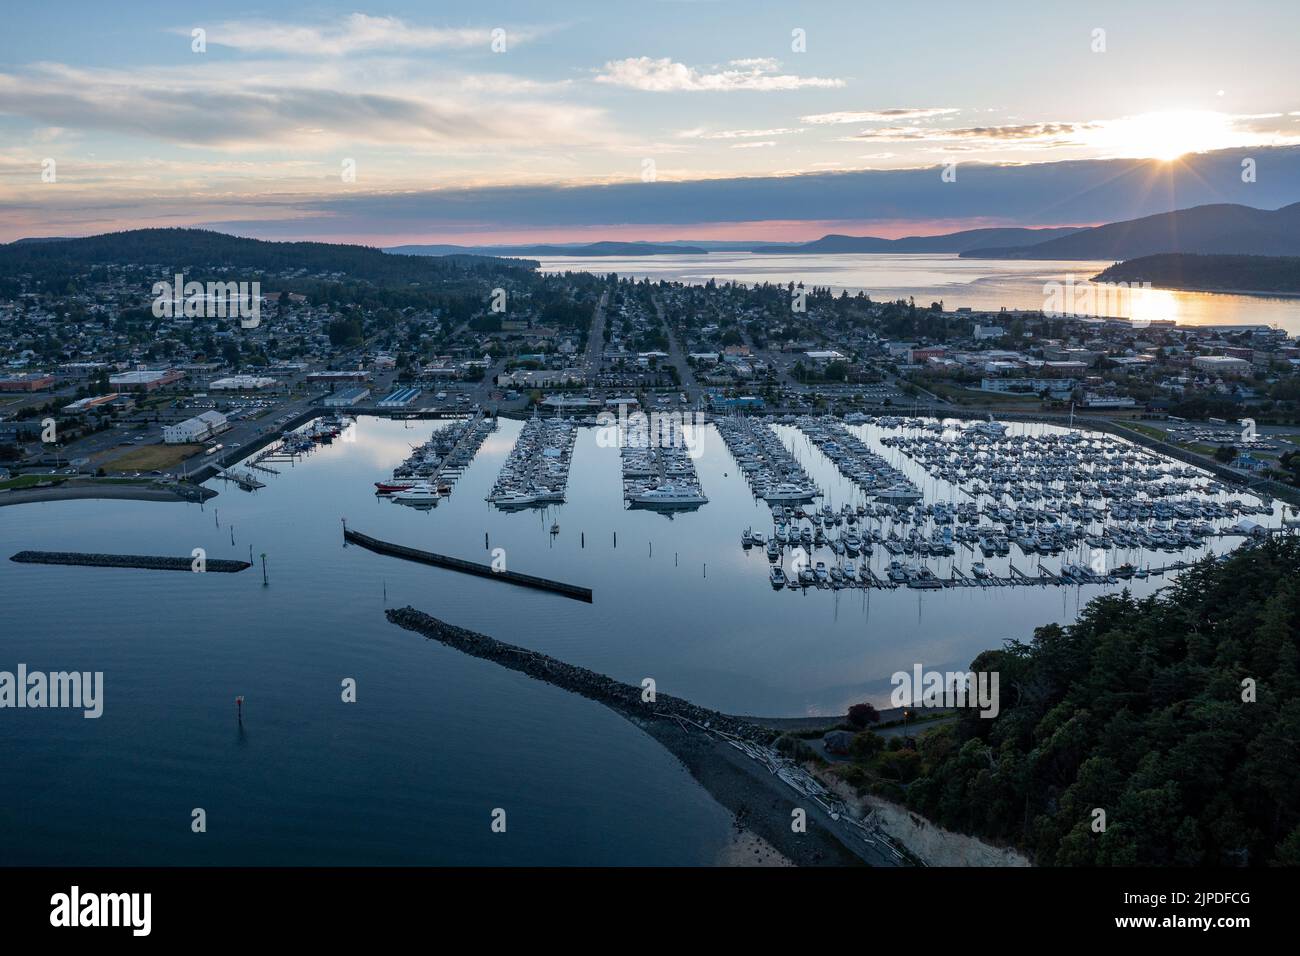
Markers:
(837, 741)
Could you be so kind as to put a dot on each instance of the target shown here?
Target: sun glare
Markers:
(1166, 135)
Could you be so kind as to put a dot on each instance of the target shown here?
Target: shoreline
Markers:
(1205, 290)
(707, 742)
(68, 491)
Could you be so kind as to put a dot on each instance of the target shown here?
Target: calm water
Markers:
(411, 772)
(980, 284)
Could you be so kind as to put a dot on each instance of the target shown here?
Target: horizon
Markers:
(394, 126)
(640, 238)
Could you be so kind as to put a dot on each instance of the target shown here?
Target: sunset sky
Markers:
(646, 120)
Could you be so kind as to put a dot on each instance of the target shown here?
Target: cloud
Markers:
(1077, 191)
(1061, 193)
(756, 145)
(357, 33)
(1019, 136)
(213, 106)
(733, 133)
(664, 75)
(875, 116)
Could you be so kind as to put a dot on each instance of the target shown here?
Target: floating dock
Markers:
(467, 567)
(146, 561)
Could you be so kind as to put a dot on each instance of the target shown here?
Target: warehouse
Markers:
(196, 429)
(346, 397)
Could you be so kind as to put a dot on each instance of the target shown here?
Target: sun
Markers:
(1166, 135)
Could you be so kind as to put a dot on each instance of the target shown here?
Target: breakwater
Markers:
(467, 567)
(731, 757)
(622, 697)
(146, 561)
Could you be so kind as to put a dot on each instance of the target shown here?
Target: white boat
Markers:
(785, 491)
(899, 493)
(419, 493)
(669, 496)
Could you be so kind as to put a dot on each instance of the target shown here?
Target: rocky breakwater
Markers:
(716, 748)
(147, 561)
(626, 698)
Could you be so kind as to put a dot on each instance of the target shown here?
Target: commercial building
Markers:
(196, 429)
(241, 383)
(145, 380)
(346, 397)
(539, 378)
(26, 382)
(1221, 364)
(1028, 386)
(1091, 400)
(824, 356)
(97, 403)
(350, 375)
(400, 397)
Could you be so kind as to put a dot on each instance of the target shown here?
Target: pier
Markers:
(467, 567)
(537, 471)
(146, 561)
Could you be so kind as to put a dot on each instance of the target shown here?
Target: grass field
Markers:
(152, 458)
(971, 396)
(27, 481)
(1151, 431)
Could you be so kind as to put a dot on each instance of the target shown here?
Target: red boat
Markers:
(397, 484)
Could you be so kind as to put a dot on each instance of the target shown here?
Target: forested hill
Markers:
(1137, 710)
(1214, 273)
(197, 250)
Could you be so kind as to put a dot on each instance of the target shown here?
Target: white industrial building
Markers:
(249, 383)
(1221, 364)
(345, 397)
(196, 429)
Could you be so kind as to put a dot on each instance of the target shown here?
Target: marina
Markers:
(813, 651)
(537, 472)
(1080, 508)
(773, 473)
(873, 475)
(657, 462)
(432, 468)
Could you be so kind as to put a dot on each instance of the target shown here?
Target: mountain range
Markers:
(949, 242)
(607, 248)
(1216, 229)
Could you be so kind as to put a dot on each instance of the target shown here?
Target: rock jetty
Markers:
(146, 561)
(625, 698)
(719, 758)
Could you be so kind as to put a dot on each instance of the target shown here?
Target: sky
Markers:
(498, 122)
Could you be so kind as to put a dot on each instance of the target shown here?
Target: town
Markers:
(95, 386)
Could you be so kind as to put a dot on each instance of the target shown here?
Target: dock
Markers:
(467, 567)
(245, 480)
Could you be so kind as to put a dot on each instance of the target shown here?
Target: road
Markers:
(596, 339)
(677, 357)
